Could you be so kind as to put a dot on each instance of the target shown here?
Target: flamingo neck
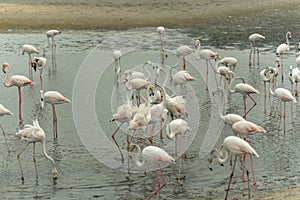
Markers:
(137, 158)
(220, 155)
(287, 38)
(54, 170)
(6, 77)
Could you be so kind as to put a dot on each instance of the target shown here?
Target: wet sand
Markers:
(118, 15)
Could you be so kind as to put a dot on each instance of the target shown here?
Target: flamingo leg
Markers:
(284, 116)
(151, 134)
(296, 90)
(160, 129)
(254, 104)
(251, 50)
(206, 76)
(34, 160)
(252, 168)
(230, 179)
(113, 137)
(18, 156)
(215, 73)
(54, 122)
(245, 106)
(265, 97)
(247, 171)
(5, 139)
(184, 63)
(29, 67)
(280, 116)
(20, 105)
(41, 78)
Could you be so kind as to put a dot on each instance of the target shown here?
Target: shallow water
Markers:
(84, 153)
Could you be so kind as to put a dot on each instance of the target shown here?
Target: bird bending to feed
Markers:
(39, 63)
(183, 51)
(253, 39)
(233, 145)
(29, 49)
(53, 98)
(155, 156)
(294, 76)
(244, 89)
(18, 81)
(181, 78)
(50, 35)
(117, 56)
(32, 134)
(229, 62)
(4, 111)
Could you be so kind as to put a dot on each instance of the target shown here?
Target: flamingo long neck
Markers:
(146, 70)
(168, 128)
(270, 85)
(137, 158)
(232, 80)
(287, 38)
(220, 158)
(198, 49)
(6, 77)
(54, 170)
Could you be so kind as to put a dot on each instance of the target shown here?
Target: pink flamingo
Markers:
(161, 30)
(207, 55)
(117, 54)
(155, 156)
(29, 49)
(245, 90)
(124, 114)
(243, 129)
(53, 98)
(181, 78)
(229, 62)
(238, 147)
(294, 76)
(282, 49)
(32, 134)
(175, 128)
(18, 81)
(51, 34)
(39, 63)
(183, 51)
(224, 72)
(285, 96)
(4, 111)
(253, 39)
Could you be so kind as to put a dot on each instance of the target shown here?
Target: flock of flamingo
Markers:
(33, 133)
(150, 103)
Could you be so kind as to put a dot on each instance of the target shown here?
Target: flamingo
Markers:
(183, 51)
(29, 49)
(224, 72)
(136, 85)
(253, 39)
(32, 134)
(4, 111)
(265, 76)
(207, 55)
(39, 63)
(175, 105)
(18, 81)
(229, 62)
(245, 90)
(294, 76)
(53, 98)
(157, 112)
(124, 114)
(233, 146)
(161, 30)
(51, 34)
(285, 96)
(181, 78)
(131, 74)
(175, 128)
(117, 56)
(229, 118)
(154, 156)
(298, 57)
(282, 49)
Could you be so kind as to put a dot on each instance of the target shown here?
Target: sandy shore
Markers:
(123, 15)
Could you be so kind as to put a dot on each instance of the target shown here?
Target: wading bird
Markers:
(50, 35)
(233, 145)
(4, 111)
(29, 49)
(117, 54)
(18, 81)
(155, 156)
(32, 134)
(253, 39)
(53, 98)
(229, 62)
(282, 49)
(39, 63)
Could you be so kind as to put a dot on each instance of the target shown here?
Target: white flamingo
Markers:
(253, 39)
(29, 49)
(282, 49)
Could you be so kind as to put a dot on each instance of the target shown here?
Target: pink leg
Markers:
(230, 179)
(280, 116)
(5, 139)
(265, 97)
(245, 106)
(151, 134)
(206, 76)
(254, 104)
(20, 104)
(184, 64)
(252, 168)
(34, 161)
(284, 115)
(18, 156)
(113, 137)
(215, 74)
(54, 122)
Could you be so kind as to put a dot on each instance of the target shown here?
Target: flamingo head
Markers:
(33, 65)
(197, 43)
(4, 65)
(160, 29)
(289, 34)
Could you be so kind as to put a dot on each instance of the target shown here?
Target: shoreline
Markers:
(121, 17)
